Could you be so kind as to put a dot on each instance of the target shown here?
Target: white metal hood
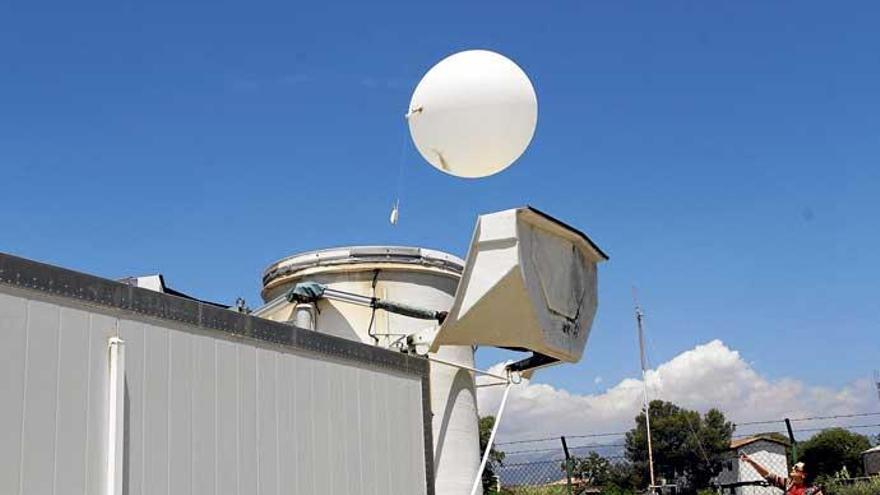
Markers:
(529, 283)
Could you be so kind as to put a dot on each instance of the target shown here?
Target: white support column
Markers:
(479, 480)
(115, 417)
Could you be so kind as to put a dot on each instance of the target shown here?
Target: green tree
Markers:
(829, 451)
(593, 469)
(625, 478)
(687, 447)
(496, 457)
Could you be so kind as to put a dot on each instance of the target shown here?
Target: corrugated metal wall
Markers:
(204, 414)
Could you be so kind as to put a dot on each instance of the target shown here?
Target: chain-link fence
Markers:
(537, 466)
(550, 477)
(551, 470)
(533, 478)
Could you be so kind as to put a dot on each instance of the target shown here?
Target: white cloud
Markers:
(710, 375)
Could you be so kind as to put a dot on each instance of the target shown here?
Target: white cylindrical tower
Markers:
(418, 277)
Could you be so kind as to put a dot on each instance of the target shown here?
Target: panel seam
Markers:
(24, 387)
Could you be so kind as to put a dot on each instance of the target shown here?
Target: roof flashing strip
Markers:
(88, 289)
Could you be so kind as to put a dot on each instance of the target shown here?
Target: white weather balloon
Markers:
(473, 114)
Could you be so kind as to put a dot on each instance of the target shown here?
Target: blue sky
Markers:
(725, 154)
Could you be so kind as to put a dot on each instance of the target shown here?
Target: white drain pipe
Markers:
(115, 417)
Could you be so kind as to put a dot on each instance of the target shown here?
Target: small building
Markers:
(871, 461)
(737, 477)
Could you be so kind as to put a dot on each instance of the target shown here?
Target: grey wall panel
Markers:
(248, 419)
(380, 436)
(348, 429)
(180, 417)
(227, 419)
(40, 386)
(13, 348)
(205, 413)
(321, 432)
(370, 464)
(417, 463)
(330, 421)
(73, 388)
(304, 431)
(204, 443)
(267, 463)
(286, 414)
(156, 410)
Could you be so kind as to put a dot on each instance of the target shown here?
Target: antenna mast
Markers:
(877, 381)
(639, 317)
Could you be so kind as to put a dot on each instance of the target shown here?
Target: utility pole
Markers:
(639, 317)
(567, 464)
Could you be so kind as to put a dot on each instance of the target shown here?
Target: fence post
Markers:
(794, 452)
(567, 465)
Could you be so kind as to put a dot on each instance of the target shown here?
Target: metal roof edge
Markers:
(85, 289)
(566, 226)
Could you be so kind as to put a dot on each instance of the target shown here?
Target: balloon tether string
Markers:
(395, 208)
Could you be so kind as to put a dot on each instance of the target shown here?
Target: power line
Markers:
(577, 447)
(597, 435)
(807, 430)
(747, 423)
(550, 461)
(547, 439)
(850, 427)
(814, 418)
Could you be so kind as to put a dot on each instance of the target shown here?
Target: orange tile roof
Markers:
(735, 444)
